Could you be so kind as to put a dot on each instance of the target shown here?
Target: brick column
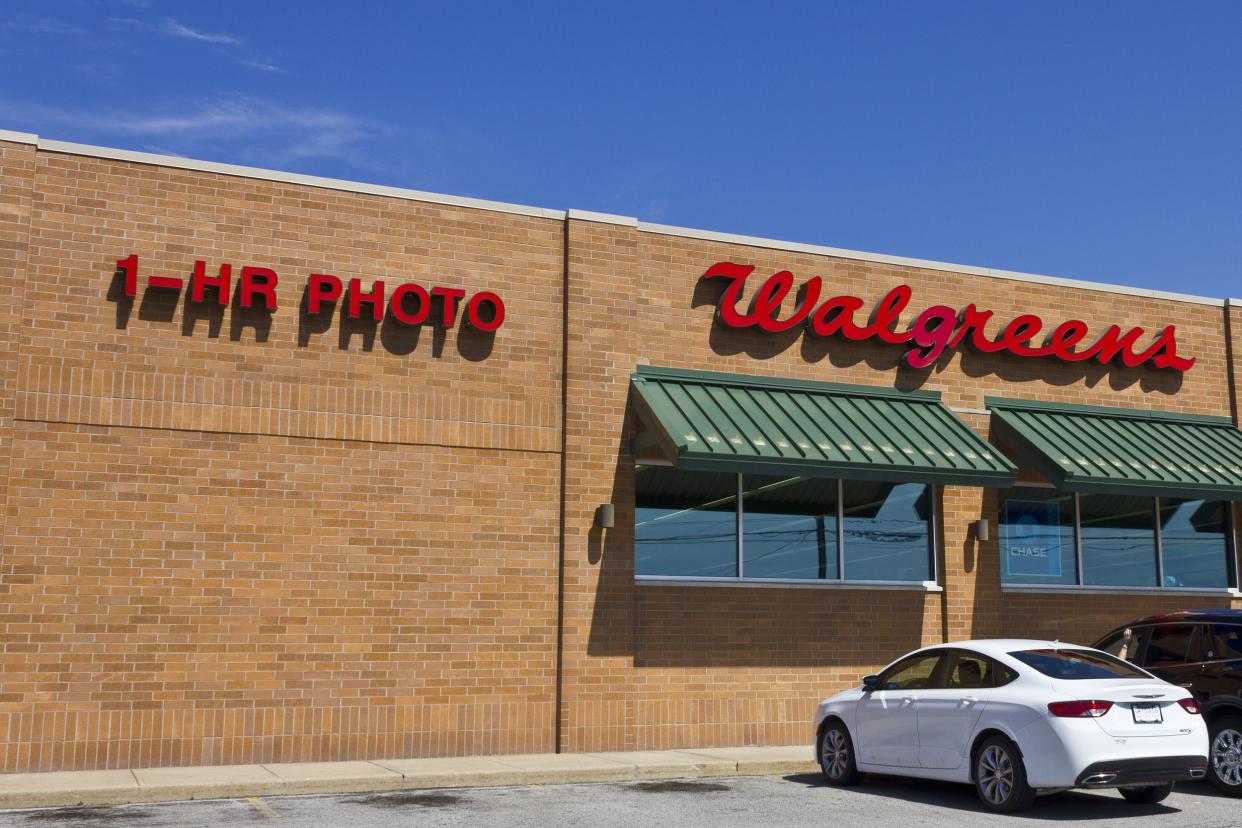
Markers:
(1233, 353)
(971, 568)
(597, 660)
(17, 163)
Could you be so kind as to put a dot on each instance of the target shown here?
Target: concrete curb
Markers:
(147, 785)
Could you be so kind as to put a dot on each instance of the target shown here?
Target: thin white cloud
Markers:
(261, 130)
(45, 25)
(175, 28)
(171, 27)
(262, 66)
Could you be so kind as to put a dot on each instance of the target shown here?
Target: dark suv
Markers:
(1200, 650)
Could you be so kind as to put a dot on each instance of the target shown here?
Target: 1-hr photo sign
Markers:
(408, 303)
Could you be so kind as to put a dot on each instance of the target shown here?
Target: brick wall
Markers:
(185, 597)
(233, 536)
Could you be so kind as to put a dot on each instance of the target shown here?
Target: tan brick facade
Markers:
(234, 536)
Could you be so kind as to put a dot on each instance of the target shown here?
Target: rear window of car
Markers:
(1077, 664)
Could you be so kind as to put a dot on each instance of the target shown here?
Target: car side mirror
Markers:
(871, 683)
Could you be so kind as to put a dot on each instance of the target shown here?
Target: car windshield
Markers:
(1078, 664)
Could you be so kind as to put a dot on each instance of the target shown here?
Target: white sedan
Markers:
(1015, 718)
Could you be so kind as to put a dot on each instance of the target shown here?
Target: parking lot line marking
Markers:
(261, 807)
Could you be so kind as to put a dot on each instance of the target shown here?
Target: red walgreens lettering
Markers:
(935, 330)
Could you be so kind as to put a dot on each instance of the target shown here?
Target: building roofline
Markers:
(177, 162)
(924, 264)
(66, 148)
(18, 137)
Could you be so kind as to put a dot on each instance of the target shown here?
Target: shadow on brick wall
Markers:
(1054, 373)
(116, 294)
(209, 311)
(982, 561)
(394, 337)
(257, 317)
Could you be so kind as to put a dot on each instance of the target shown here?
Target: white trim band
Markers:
(924, 264)
(601, 218)
(1067, 589)
(18, 137)
(296, 178)
(782, 583)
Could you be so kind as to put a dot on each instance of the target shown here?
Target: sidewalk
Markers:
(115, 787)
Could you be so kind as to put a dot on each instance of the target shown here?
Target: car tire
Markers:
(1225, 754)
(1000, 776)
(836, 755)
(1148, 794)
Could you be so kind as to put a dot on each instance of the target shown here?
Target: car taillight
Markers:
(1086, 709)
(1190, 706)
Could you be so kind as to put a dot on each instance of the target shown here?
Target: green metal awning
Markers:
(1085, 448)
(706, 421)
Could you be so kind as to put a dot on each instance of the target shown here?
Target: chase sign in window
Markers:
(1032, 540)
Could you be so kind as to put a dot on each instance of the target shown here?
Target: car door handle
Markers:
(969, 700)
(907, 700)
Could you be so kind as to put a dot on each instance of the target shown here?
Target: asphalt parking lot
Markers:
(800, 800)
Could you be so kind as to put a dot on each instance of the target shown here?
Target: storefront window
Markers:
(1192, 535)
(685, 523)
(1050, 537)
(1118, 536)
(886, 531)
(1037, 537)
(790, 527)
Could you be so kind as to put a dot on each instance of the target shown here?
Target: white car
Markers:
(1015, 717)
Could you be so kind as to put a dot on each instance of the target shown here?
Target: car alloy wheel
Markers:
(995, 774)
(834, 754)
(1227, 756)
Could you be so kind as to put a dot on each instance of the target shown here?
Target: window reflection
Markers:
(1118, 540)
(1192, 539)
(790, 527)
(1226, 641)
(886, 531)
(685, 523)
(1169, 645)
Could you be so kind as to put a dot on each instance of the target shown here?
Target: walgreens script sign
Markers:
(935, 330)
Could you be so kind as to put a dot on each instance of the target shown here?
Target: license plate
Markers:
(1147, 713)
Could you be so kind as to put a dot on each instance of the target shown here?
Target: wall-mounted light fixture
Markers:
(605, 516)
(983, 530)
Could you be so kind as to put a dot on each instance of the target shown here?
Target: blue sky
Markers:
(1097, 140)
